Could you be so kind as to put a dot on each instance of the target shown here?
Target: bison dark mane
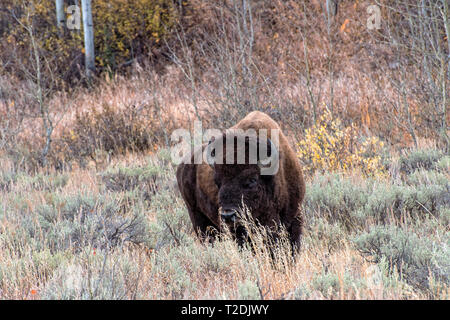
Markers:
(217, 193)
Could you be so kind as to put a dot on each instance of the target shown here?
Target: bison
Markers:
(217, 191)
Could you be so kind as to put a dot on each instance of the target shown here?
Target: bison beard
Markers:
(218, 194)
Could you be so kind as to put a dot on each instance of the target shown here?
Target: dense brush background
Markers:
(89, 207)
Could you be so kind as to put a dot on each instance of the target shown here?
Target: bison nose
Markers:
(228, 215)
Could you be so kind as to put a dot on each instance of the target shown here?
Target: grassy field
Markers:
(123, 232)
(89, 204)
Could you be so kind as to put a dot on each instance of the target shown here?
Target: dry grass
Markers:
(112, 224)
(168, 262)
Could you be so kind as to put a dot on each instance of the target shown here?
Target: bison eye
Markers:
(250, 183)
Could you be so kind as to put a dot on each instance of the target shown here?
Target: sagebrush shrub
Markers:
(327, 283)
(416, 159)
(355, 204)
(172, 226)
(129, 179)
(418, 201)
(49, 182)
(248, 290)
(335, 197)
(444, 164)
(416, 258)
(103, 275)
(79, 221)
(6, 180)
(330, 233)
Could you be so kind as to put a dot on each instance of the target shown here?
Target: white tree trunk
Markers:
(332, 7)
(88, 28)
(60, 16)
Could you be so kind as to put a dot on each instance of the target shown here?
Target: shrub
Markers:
(172, 226)
(110, 130)
(177, 282)
(51, 182)
(327, 283)
(444, 164)
(356, 204)
(423, 158)
(444, 216)
(80, 221)
(249, 290)
(6, 180)
(336, 198)
(417, 201)
(330, 284)
(427, 178)
(329, 146)
(330, 233)
(103, 275)
(128, 29)
(18, 273)
(64, 52)
(416, 258)
(129, 179)
(123, 31)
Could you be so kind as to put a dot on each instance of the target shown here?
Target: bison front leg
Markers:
(295, 233)
(203, 227)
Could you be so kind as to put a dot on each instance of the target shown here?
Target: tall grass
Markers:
(85, 240)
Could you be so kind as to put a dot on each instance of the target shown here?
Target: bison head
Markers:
(240, 162)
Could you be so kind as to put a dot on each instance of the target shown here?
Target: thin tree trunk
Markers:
(88, 28)
(60, 16)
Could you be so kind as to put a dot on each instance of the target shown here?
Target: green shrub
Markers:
(76, 222)
(7, 179)
(331, 234)
(51, 182)
(40, 181)
(172, 226)
(335, 197)
(102, 276)
(443, 164)
(176, 273)
(327, 283)
(416, 258)
(444, 216)
(419, 201)
(129, 179)
(355, 204)
(331, 284)
(249, 290)
(427, 178)
(301, 292)
(416, 159)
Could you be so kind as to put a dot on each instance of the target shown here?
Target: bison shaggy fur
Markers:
(213, 193)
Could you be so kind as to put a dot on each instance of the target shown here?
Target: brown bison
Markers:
(216, 191)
